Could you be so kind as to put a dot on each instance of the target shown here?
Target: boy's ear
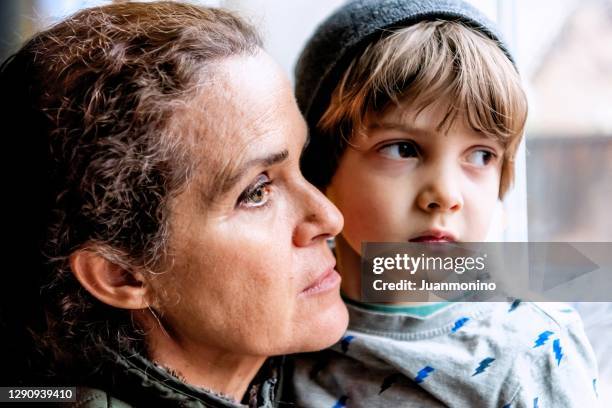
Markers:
(109, 282)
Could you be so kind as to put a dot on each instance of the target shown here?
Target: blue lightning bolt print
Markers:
(558, 350)
(514, 305)
(344, 343)
(542, 338)
(341, 403)
(459, 324)
(595, 387)
(423, 373)
(535, 402)
(484, 364)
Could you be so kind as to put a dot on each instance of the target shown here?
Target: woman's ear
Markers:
(109, 282)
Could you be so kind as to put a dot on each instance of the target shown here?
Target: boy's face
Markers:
(404, 180)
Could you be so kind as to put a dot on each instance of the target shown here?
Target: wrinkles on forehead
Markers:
(224, 133)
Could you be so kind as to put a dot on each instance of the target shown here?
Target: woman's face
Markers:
(251, 271)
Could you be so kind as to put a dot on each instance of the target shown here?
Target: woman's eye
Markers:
(480, 158)
(257, 194)
(400, 150)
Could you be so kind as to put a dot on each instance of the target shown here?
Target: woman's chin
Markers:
(312, 329)
(327, 330)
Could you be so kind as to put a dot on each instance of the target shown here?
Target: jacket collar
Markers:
(136, 380)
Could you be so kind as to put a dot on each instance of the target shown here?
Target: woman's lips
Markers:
(326, 281)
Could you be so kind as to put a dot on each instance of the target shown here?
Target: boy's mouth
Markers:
(434, 236)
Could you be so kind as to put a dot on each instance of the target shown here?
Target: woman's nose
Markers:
(322, 219)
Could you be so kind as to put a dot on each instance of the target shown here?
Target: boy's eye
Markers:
(480, 158)
(400, 150)
(257, 194)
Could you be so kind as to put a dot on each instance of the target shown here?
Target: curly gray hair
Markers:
(99, 91)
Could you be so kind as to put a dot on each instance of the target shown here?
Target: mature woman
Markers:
(171, 241)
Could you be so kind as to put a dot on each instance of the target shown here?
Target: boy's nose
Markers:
(441, 194)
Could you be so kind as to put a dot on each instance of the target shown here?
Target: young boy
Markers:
(416, 111)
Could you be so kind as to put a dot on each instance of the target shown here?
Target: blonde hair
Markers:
(422, 63)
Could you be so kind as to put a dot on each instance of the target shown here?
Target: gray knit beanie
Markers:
(340, 38)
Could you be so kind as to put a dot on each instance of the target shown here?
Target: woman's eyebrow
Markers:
(225, 180)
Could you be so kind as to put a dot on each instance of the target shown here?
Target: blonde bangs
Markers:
(425, 64)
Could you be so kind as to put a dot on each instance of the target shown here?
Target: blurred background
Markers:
(563, 187)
